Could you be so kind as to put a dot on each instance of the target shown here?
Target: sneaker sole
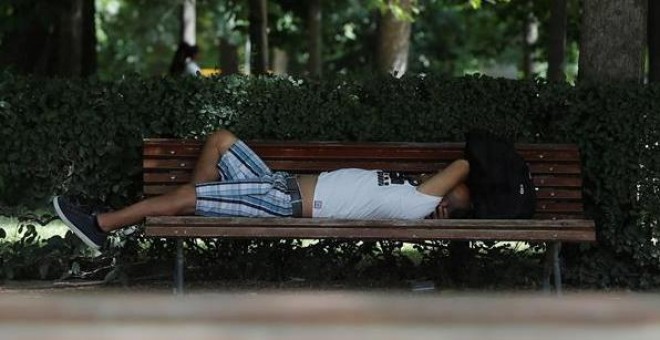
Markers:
(71, 226)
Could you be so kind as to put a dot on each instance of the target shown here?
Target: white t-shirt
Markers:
(369, 194)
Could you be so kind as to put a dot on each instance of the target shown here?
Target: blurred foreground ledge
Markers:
(329, 315)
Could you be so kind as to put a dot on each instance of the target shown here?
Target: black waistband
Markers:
(294, 192)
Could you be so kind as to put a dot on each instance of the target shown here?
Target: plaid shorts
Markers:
(248, 188)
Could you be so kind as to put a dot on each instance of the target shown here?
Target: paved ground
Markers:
(217, 286)
(86, 311)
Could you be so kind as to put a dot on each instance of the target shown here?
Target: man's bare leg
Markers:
(216, 145)
(182, 200)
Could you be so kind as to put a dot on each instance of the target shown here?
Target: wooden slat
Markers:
(169, 164)
(556, 181)
(559, 194)
(373, 233)
(168, 177)
(553, 207)
(558, 207)
(328, 165)
(318, 166)
(514, 230)
(389, 151)
(351, 223)
(558, 216)
(555, 168)
(184, 177)
(342, 144)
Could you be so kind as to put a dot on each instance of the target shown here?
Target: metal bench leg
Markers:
(178, 268)
(552, 267)
(556, 248)
(547, 267)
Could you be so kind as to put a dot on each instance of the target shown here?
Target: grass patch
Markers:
(11, 227)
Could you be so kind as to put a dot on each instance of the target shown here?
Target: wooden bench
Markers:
(556, 170)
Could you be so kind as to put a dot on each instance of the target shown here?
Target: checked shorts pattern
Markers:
(248, 188)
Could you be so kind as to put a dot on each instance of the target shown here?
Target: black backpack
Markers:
(500, 182)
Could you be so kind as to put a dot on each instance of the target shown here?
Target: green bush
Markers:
(83, 137)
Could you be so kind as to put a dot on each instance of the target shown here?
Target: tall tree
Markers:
(394, 27)
(314, 37)
(258, 18)
(613, 40)
(557, 41)
(24, 36)
(280, 61)
(51, 38)
(228, 56)
(69, 47)
(654, 40)
(89, 58)
(530, 36)
(189, 22)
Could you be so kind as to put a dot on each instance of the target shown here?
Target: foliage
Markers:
(137, 36)
(83, 138)
(453, 37)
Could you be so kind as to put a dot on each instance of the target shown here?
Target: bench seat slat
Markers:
(377, 234)
(314, 222)
(524, 230)
(195, 226)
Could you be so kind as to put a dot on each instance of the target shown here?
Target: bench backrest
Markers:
(556, 167)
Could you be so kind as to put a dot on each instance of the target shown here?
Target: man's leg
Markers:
(216, 145)
(92, 229)
(181, 201)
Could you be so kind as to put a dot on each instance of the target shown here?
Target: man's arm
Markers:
(445, 180)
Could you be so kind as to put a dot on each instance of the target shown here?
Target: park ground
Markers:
(84, 312)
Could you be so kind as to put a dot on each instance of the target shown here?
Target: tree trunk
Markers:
(55, 39)
(654, 40)
(393, 41)
(69, 56)
(228, 57)
(24, 45)
(89, 59)
(530, 36)
(314, 38)
(280, 61)
(557, 42)
(188, 22)
(612, 42)
(258, 18)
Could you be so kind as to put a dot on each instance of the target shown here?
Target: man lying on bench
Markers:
(231, 180)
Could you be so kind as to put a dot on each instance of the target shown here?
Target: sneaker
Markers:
(82, 224)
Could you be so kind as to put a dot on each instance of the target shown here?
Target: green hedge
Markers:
(83, 137)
